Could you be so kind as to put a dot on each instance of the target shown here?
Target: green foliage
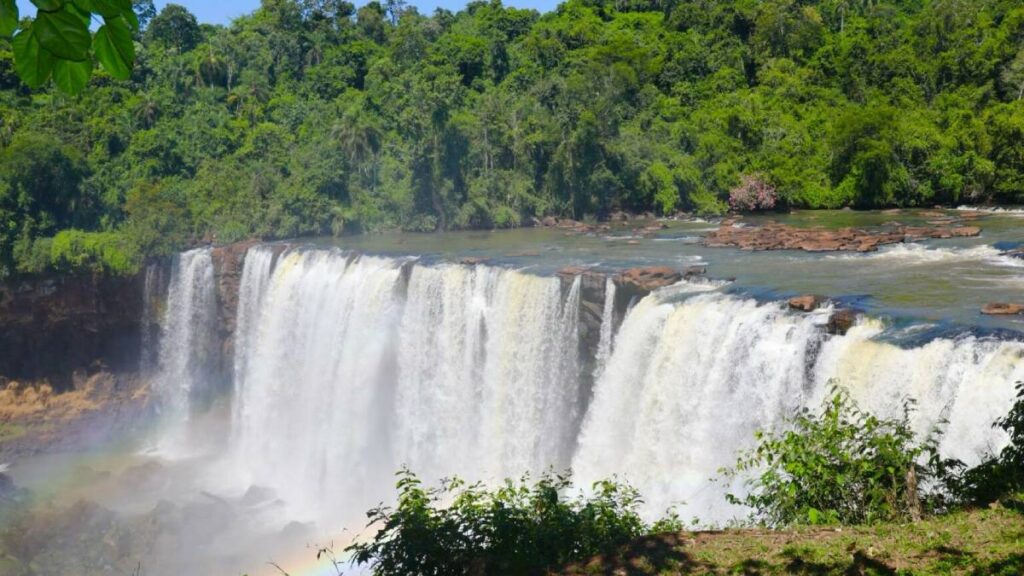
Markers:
(1001, 475)
(519, 528)
(314, 117)
(839, 466)
(57, 43)
(73, 250)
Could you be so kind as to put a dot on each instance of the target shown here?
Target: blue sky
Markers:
(223, 12)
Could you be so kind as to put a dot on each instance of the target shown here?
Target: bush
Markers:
(842, 466)
(76, 251)
(753, 193)
(999, 476)
(518, 528)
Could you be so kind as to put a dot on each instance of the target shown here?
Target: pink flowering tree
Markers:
(753, 193)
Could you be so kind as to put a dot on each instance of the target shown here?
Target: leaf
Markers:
(63, 34)
(48, 5)
(8, 17)
(34, 65)
(115, 49)
(71, 76)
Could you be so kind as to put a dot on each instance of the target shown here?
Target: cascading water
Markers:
(690, 382)
(188, 335)
(348, 367)
(342, 376)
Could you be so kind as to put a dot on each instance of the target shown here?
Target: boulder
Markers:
(549, 222)
(648, 279)
(1002, 309)
(840, 322)
(806, 303)
(472, 260)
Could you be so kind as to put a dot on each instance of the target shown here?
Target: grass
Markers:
(977, 543)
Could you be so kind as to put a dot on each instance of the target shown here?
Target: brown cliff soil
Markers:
(34, 419)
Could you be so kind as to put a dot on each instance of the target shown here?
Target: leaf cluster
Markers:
(57, 43)
(518, 528)
(839, 465)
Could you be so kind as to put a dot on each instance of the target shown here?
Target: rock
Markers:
(965, 231)
(840, 322)
(773, 236)
(618, 216)
(807, 303)
(549, 222)
(1002, 309)
(472, 260)
(695, 270)
(648, 279)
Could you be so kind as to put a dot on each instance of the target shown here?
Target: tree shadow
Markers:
(1011, 566)
(652, 555)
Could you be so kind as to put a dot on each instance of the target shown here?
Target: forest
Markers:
(314, 117)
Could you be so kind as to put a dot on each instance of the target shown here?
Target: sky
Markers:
(217, 12)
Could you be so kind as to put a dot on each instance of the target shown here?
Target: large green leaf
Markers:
(48, 5)
(106, 8)
(8, 17)
(115, 49)
(34, 65)
(71, 76)
(64, 34)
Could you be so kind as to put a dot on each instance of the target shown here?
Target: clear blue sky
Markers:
(216, 12)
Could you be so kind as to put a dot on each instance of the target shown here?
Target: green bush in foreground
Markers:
(517, 529)
(839, 466)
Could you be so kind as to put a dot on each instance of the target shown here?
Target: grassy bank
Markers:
(982, 542)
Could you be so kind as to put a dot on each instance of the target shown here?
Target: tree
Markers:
(174, 27)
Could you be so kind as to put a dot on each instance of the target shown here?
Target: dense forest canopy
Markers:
(317, 117)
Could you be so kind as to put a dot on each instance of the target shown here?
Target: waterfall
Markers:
(187, 347)
(604, 345)
(690, 382)
(348, 367)
(342, 376)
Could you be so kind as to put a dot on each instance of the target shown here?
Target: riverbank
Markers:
(980, 542)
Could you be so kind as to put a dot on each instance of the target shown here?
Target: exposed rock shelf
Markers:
(774, 236)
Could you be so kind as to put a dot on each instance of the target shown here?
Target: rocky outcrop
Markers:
(775, 236)
(648, 279)
(51, 327)
(806, 303)
(840, 322)
(1002, 309)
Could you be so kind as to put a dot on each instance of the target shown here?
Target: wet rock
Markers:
(1002, 309)
(695, 270)
(806, 303)
(648, 279)
(549, 222)
(472, 260)
(840, 322)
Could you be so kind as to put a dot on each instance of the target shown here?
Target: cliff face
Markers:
(52, 327)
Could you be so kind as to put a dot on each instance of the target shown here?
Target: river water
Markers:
(347, 367)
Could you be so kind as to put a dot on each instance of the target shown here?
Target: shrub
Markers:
(518, 528)
(1002, 475)
(753, 193)
(75, 251)
(842, 466)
